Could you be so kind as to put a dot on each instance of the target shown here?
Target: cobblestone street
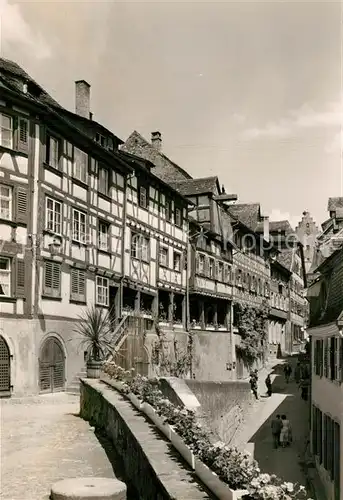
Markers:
(256, 435)
(42, 441)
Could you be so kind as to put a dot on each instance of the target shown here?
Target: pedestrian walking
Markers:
(276, 430)
(297, 373)
(253, 385)
(286, 432)
(268, 383)
(287, 371)
(304, 386)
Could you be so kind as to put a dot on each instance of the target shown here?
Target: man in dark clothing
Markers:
(276, 430)
(268, 383)
(287, 371)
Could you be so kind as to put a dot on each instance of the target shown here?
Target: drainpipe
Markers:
(121, 286)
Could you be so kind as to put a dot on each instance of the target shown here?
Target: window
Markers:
(220, 271)
(52, 152)
(100, 139)
(54, 216)
(5, 277)
(78, 285)
(169, 211)
(80, 165)
(143, 196)
(201, 263)
(163, 256)
(79, 226)
(239, 277)
(204, 215)
(6, 131)
(178, 217)
(211, 268)
(102, 291)
(5, 202)
(103, 181)
(103, 236)
(52, 279)
(177, 261)
(140, 247)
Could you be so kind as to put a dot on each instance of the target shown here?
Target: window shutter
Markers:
(78, 282)
(20, 278)
(52, 279)
(21, 205)
(206, 266)
(216, 270)
(23, 135)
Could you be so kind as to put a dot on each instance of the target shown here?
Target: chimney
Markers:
(156, 140)
(82, 98)
(266, 228)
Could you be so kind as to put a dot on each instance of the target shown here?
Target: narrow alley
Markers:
(256, 436)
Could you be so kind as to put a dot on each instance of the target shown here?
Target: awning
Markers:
(328, 330)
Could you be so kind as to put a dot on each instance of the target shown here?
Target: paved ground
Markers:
(256, 436)
(42, 441)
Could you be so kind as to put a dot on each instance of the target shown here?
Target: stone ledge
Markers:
(150, 462)
(89, 488)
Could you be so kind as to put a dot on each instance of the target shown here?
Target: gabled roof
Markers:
(248, 213)
(281, 225)
(194, 187)
(335, 203)
(165, 168)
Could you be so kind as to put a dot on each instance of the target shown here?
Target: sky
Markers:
(248, 91)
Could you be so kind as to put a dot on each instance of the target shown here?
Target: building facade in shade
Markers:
(81, 223)
(325, 296)
(279, 307)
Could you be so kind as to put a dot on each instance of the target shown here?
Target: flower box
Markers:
(214, 484)
(182, 448)
(150, 412)
(135, 401)
(116, 384)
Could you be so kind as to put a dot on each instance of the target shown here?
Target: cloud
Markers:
(15, 32)
(298, 120)
(239, 118)
(336, 145)
(277, 215)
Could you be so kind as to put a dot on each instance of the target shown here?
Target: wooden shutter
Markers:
(23, 135)
(20, 278)
(21, 205)
(78, 285)
(52, 279)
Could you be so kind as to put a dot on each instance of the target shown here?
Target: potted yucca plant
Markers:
(95, 328)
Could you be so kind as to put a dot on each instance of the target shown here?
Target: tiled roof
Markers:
(281, 225)
(196, 186)
(334, 203)
(286, 258)
(165, 168)
(248, 213)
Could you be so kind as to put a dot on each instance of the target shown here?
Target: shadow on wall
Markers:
(223, 405)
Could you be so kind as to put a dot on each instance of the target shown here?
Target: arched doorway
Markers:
(5, 368)
(51, 366)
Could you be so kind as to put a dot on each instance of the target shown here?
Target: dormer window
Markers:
(100, 139)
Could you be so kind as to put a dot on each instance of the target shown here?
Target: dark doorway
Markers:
(51, 366)
(5, 368)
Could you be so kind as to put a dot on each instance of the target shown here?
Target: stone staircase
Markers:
(74, 386)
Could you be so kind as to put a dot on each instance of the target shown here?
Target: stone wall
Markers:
(223, 404)
(149, 463)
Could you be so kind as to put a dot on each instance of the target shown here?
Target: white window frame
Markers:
(179, 255)
(80, 166)
(9, 129)
(79, 235)
(6, 277)
(163, 255)
(53, 218)
(140, 247)
(8, 199)
(103, 236)
(102, 291)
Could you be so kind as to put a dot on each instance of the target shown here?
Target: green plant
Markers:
(235, 468)
(95, 329)
(252, 328)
